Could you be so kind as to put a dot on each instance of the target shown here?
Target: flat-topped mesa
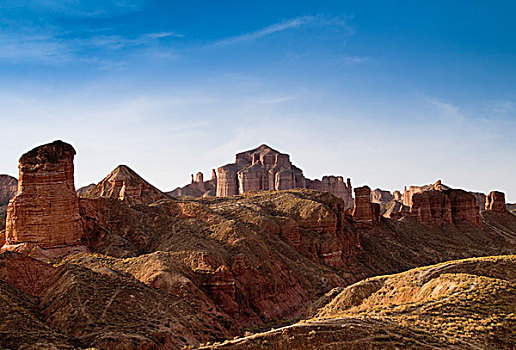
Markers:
(365, 214)
(495, 202)
(45, 211)
(440, 204)
(127, 186)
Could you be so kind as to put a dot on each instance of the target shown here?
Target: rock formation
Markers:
(335, 185)
(438, 204)
(85, 189)
(8, 189)
(198, 187)
(481, 200)
(381, 196)
(365, 213)
(262, 169)
(127, 186)
(45, 210)
(431, 206)
(407, 194)
(495, 202)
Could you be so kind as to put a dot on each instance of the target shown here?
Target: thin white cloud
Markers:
(274, 28)
(294, 23)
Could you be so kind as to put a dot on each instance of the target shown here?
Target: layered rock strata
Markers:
(335, 185)
(45, 210)
(127, 186)
(495, 202)
(365, 214)
(264, 169)
(440, 204)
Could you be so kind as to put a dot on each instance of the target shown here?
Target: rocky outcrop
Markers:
(8, 189)
(127, 186)
(440, 204)
(263, 169)
(365, 214)
(45, 211)
(431, 207)
(407, 194)
(336, 186)
(85, 189)
(481, 200)
(495, 202)
(198, 187)
(381, 196)
(260, 169)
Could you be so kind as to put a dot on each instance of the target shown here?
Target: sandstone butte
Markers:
(45, 211)
(262, 169)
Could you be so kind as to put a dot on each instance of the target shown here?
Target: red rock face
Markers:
(495, 202)
(381, 196)
(464, 207)
(260, 169)
(431, 207)
(336, 186)
(8, 188)
(45, 211)
(365, 214)
(438, 206)
(127, 186)
(264, 169)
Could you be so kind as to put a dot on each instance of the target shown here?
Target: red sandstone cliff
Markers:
(439, 204)
(45, 211)
(262, 169)
(365, 214)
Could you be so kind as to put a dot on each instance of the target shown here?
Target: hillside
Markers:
(463, 304)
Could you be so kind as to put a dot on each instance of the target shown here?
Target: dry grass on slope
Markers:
(464, 304)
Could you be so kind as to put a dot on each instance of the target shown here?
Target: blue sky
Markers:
(389, 93)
